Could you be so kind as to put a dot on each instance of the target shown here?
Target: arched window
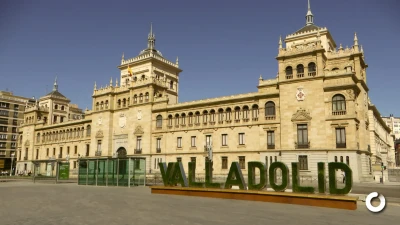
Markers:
(106, 104)
(135, 99)
(101, 105)
(220, 115)
(348, 160)
(245, 112)
(176, 119)
(289, 72)
(197, 118)
(183, 116)
(123, 102)
(159, 121)
(270, 109)
(171, 85)
(88, 130)
(212, 115)
(335, 158)
(135, 79)
(119, 103)
(300, 70)
(97, 106)
(146, 98)
(141, 98)
(341, 159)
(190, 118)
(56, 107)
(312, 69)
(205, 116)
(62, 107)
(143, 77)
(38, 138)
(237, 113)
(254, 112)
(338, 103)
(228, 114)
(170, 120)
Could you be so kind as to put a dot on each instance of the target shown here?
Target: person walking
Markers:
(344, 176)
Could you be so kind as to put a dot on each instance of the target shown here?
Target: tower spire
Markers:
(55, 87)
(309, 16)
(151, 40)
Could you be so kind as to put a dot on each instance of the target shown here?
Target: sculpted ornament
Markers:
(99, 121)
(300, 95)
(139, 114)
(138, 130)
(301, 115)
(99, 134)
(122, 120)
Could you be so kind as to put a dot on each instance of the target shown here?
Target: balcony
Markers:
(302, 145)
(270, 146)
(340, 145)
(270, 117)
(158, 150)
(138, 151)
(289, 76)
(339, 112)
(97, 153)
(300, 75)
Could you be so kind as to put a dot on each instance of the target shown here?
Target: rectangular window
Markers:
(76, 150)
(158, 143)
(47, 152)
(224, 140)
(37, 153)
(276, 158)
(178, 159)
(340, 138)
(74, 164)
(54, 151)
(139, 142)
(208, 140)
(271, 140)
(61, 152)
(224, 162)
(179, 142)
(68, 150)
(193, 160)
(348, 160)
(87, 149)
(137, 164)
(193, 141)
(241, 138)
(99, 145)
(302, 136)
(303, 162)
(242, 162)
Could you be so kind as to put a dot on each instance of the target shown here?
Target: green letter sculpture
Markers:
(235, 177)
(321, 178)
(179, 175)
(167, 173)
(296, 180)
(272, 176)
(192, 176)
(333, 166)
(209, 176)
(252, 175)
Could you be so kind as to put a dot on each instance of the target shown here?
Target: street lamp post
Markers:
(12, 160)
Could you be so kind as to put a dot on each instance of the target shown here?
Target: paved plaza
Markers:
(48, 204)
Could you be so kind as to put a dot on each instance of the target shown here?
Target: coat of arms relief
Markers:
(300, 95)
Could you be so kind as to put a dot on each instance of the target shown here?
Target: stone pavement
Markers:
(48, 204)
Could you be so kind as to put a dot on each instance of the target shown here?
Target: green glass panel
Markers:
(82, 170)
(101, 174)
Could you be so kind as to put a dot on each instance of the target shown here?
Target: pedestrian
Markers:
(344, 176)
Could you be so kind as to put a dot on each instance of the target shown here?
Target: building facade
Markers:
(12, 109)
(394, 124)
(315, 110)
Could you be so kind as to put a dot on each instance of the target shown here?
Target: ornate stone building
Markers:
(315, 110)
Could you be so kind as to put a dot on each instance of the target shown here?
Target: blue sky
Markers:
(228, 43)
